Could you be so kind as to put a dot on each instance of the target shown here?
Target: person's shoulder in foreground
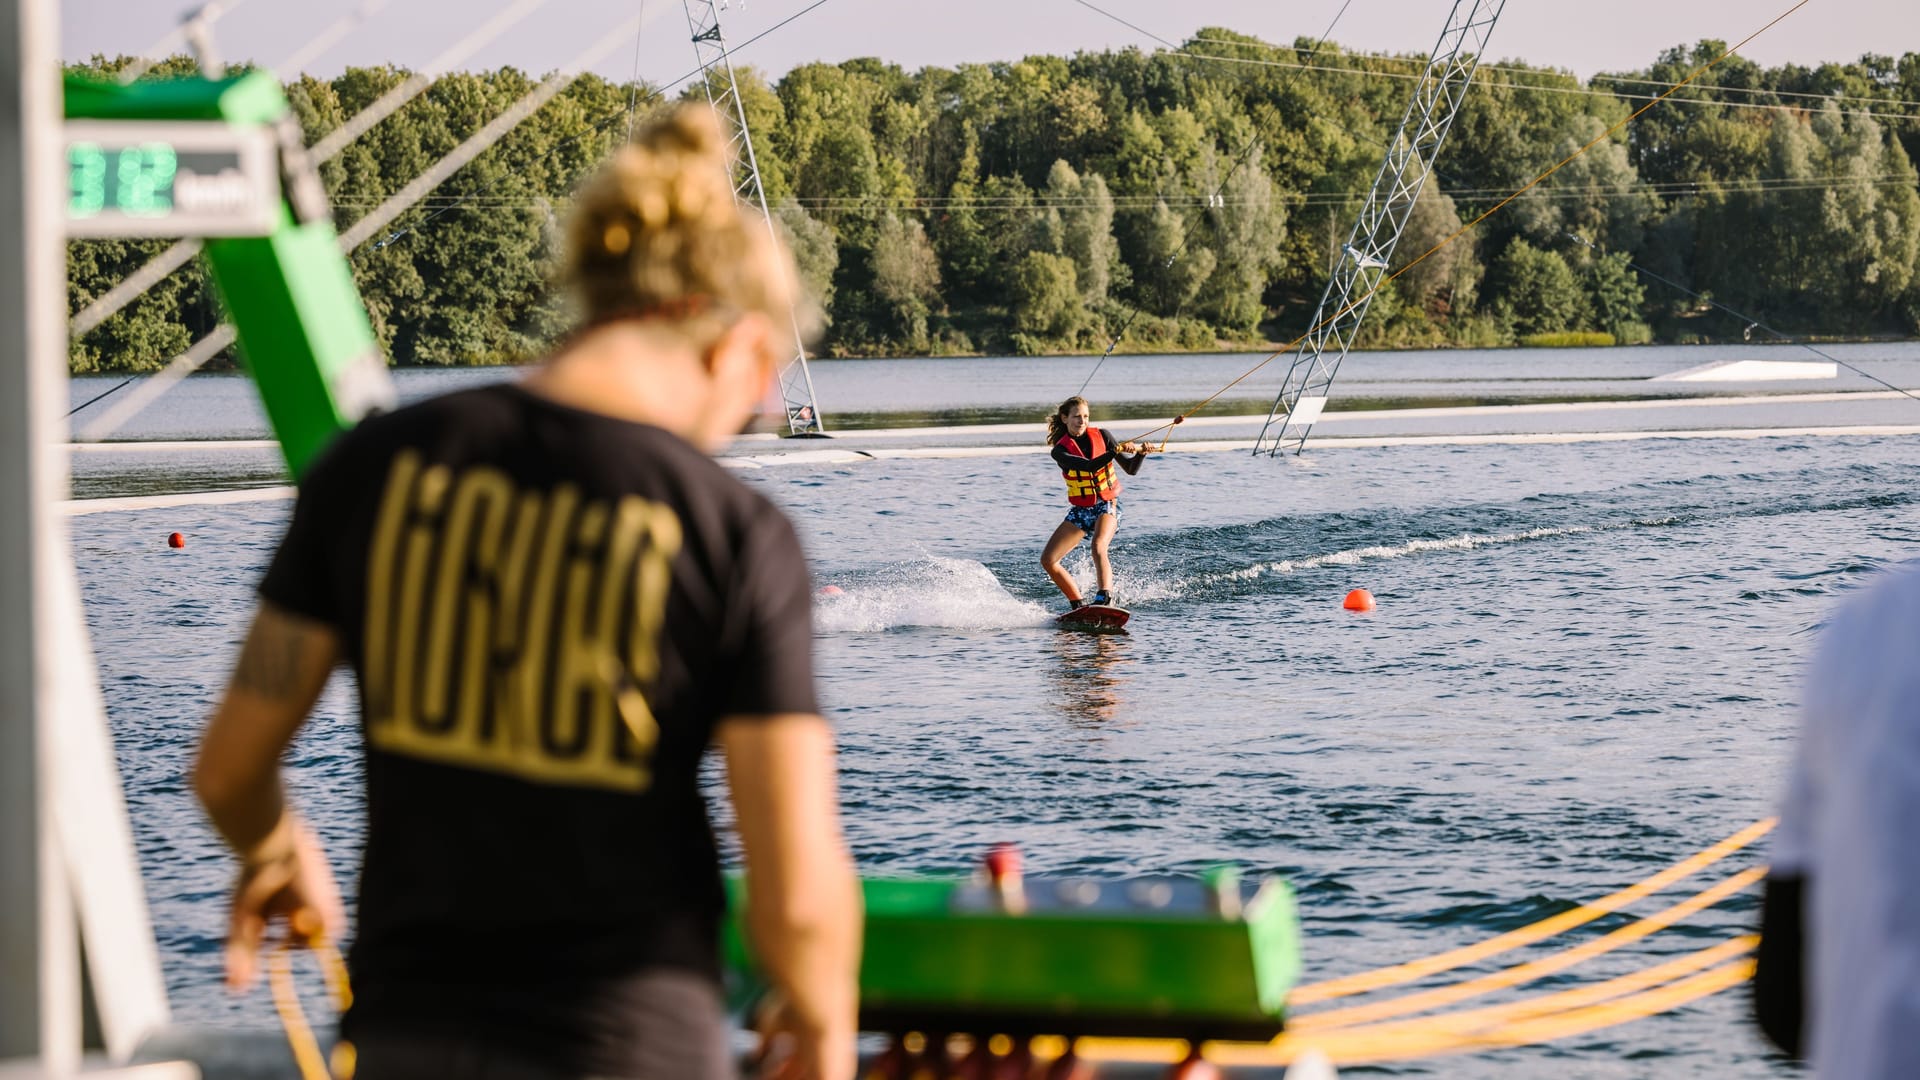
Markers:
(1838, 974)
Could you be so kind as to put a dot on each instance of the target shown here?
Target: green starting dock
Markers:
(1149, 957)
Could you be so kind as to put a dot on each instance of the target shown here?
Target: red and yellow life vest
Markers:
(1086, 487)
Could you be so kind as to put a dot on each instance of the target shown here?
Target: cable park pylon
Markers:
(723, 93)
(1362, 261)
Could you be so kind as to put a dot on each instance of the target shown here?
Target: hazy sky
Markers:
(1578, 34)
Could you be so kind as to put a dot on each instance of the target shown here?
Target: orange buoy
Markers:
(830, 590)
(1358, 600)
(175, 540)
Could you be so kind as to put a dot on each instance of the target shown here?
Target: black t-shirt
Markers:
(548, 611)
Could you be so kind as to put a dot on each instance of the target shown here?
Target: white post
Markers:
(39, 949)
(66, 848)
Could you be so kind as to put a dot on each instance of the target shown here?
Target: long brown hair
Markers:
(1057, 423)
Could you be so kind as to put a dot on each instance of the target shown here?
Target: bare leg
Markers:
(1103, 529)
(1064, 539)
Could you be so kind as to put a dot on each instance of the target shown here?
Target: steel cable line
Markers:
(417, 83)
(1543, 88)
(1721, 87)
(207, 347)
(473, 147)
(333, 35)
(198, 20)
(1187, 229)
(107, 304)
(1752, 323)
(1456, 234)
(633, 95)
(655, 94)
(176, 256)
(1149, 33)
(152, 273)
(878, 204)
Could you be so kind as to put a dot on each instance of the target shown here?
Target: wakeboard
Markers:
(1099, 617)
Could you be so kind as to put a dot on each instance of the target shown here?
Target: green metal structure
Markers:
(1151, 957)
(181, 157)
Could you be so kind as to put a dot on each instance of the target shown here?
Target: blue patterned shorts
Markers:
(1085, 517)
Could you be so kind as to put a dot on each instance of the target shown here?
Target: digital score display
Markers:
(170, 178)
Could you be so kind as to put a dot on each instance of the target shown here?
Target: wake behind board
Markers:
(1098, 617)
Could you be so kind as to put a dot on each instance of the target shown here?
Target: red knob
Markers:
(1003, 864)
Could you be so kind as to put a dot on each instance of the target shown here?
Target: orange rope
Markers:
(1531, 971)
(1400, 974)
(1535, 182)
(286, 1002)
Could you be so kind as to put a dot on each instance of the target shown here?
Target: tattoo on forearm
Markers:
(270, 660)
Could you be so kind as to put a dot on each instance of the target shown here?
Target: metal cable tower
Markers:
(1362, 263)
(716, 76)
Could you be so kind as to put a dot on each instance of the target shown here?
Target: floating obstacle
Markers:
(1754, 371)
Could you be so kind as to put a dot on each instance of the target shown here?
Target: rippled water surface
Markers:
(1583, 667)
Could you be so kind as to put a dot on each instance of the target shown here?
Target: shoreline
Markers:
(1223, 349)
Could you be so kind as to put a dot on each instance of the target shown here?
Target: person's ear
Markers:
(740, 356)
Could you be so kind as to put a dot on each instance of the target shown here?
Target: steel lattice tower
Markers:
(716, 76)
(1362, 262)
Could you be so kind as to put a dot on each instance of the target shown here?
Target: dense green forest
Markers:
(1041, 205)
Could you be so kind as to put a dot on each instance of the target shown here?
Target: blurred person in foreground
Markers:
(554, 599)
(1838, 967)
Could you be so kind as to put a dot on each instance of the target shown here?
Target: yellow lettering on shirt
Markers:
(515, 631)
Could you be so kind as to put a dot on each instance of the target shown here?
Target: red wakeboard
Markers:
(1103, 617)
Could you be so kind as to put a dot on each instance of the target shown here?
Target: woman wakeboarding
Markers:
(1086, 456)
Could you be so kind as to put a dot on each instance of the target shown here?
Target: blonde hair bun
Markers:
(658, 233)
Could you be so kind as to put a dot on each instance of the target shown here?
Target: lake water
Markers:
(871, 393)
(1583, 667)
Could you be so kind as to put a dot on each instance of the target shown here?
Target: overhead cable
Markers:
(1042, 202)
(177, 255)
(481, 140)
(152, 388)
(660, 92)
(206, 348)
(201, 19)
(1413, 76)
(1167, 429)
(331, 36)
(1552, 73)
(633, 83)
(409, 88)
(1752, 322)
(1213, 199)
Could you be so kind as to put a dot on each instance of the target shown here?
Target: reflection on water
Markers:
(1091, 676)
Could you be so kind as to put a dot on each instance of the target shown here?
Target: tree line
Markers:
(1180, 199)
